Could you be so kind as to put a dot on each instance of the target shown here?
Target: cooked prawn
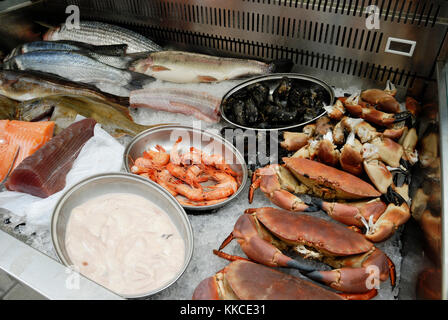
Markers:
(196, 156)
(189, 175)
(159, 157)
(226, 186)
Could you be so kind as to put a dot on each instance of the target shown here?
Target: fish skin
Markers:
(99, 33)
(113, 50)
(77, 67)
(200, 104)
(7, 108)
(120, 62)
(186, 67)
(63, 111)
(27, 85)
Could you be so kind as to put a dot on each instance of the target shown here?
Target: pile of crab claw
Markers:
(352, 164)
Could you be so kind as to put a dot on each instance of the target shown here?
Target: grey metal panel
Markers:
(24, 263)
(442, 76)
(318, 34)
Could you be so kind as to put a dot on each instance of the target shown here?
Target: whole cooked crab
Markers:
(245, 280)
(264, 234)
(302, 176)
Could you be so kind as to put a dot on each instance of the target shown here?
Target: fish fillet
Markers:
(43, 173)
(29, 136)
(201, 105)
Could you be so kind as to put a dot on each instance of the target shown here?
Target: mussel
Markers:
(291, 102)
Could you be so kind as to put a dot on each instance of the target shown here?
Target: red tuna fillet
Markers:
(43, 173)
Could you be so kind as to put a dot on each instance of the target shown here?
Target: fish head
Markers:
(52, 34)
(7, 78)
(35, 110)
(11, 64)
(142, 65)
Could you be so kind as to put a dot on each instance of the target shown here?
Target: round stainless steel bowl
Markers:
(272, 81)
(166, 136)
(120, 183)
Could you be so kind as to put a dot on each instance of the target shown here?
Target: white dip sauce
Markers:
(125, 243)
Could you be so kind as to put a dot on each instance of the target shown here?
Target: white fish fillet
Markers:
(199, 104)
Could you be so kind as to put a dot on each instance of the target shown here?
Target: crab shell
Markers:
(328, 182)
(246, 280)
(327, 237)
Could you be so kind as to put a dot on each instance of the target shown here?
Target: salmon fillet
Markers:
(29, 136)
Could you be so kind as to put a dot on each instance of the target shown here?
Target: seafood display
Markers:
(182, 174)
(63, 110)
(19, 140)
(43, 173)
(292, 101)
(78, 67)
(26, 85)
(351, 171)
(7, 108)
(186, 67)
(244, 280)
(263, 232)
(202, 105)
(99, 33)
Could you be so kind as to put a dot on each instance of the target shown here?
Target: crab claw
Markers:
(355, 273)
(351, 155)
(384, 149)
(390, 220)
(278, 184)
(354, 213)
(328, 182)
(293, 141)
(383, 99)
(413, 106)
(378, 174)
(336, 111)
(394, 133)
(351, 280)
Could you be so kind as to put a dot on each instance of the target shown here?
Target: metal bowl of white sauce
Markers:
(110, 183)
(210, 143)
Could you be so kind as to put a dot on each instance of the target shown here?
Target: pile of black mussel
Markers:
(289, 104)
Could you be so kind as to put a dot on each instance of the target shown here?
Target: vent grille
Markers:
(420, 12)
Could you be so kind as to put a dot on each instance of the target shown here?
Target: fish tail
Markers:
(281, 66)
(138, 81)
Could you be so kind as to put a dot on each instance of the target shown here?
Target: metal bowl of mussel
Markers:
(276, 102)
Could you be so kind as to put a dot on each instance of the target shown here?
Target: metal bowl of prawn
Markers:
(185, 139)
(277, 101)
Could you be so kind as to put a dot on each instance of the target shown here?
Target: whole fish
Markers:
(99, 33)
(184, 67)
(79, 68)
(64, 109)
(27, 85)
(113, 50)
(7, 108)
